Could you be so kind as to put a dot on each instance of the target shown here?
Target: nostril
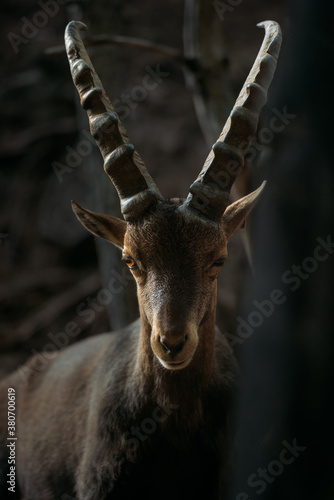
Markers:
(164, 345)
(172, 347)
(178, 348)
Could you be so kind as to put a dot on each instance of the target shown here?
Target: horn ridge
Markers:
(136, 188)
(220, 170)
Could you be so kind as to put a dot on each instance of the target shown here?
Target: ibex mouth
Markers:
(175, 348)
(175, 365)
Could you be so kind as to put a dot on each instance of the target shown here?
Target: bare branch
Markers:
(51, 310)
(126, 41)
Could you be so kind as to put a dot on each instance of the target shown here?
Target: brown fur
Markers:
(79, 420)
(145, 410)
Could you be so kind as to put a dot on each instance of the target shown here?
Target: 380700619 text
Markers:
(11, 440)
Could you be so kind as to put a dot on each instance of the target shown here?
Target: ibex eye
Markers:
(219, 263)
(131, 263)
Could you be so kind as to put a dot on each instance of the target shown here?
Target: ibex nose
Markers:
(172, 345)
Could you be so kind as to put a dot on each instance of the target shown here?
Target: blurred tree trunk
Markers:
(285, 425)
(103, 16)
(207, 75)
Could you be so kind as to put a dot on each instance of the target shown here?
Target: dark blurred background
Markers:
(51, 269)
(56, 279)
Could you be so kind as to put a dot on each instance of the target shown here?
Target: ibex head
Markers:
(174, 249)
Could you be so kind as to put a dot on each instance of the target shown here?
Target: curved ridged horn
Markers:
(210, 192)
(136, 189)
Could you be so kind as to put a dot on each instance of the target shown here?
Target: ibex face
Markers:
(174, 251)
(175, 258)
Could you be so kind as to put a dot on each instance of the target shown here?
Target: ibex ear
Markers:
(105, 226)
(235, 214)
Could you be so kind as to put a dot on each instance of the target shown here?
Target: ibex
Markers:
(145, 410)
